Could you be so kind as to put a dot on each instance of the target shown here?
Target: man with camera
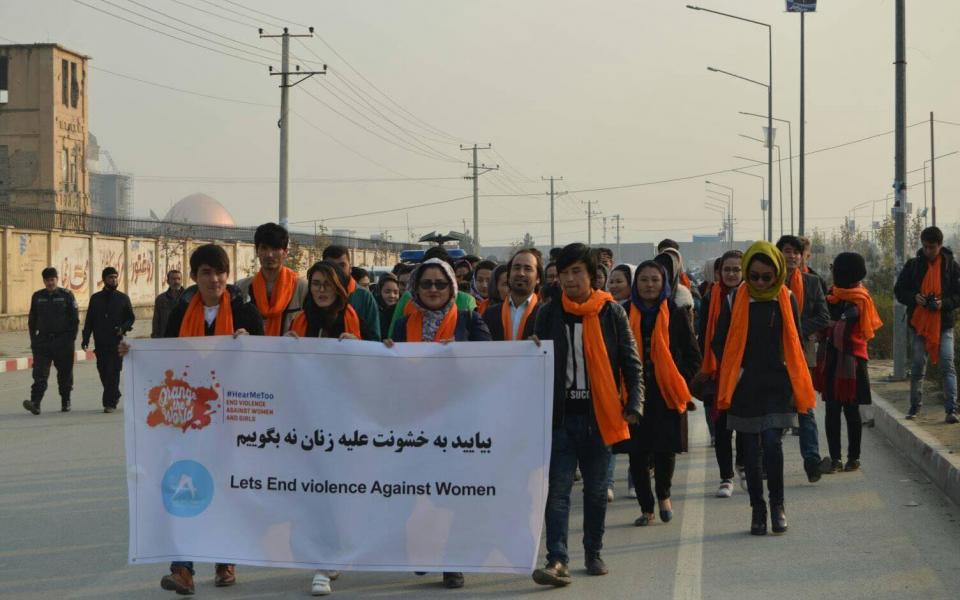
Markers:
(929, 286)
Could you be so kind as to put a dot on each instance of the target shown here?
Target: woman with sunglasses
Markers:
(670, 357)
(763, 377)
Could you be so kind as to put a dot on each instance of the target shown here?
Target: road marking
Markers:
(688, 582)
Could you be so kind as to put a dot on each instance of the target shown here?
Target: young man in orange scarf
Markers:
(929, 286)
(594, 355)
(513, 319)
(276, 290)
(359, 298)
(211, 307)
(814, 317)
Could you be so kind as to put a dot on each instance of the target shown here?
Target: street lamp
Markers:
(769, 86)
(790, 153)
(779, 179)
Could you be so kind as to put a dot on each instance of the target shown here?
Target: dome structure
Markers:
(199, 209)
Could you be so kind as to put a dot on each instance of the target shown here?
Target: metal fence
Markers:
(111, 226)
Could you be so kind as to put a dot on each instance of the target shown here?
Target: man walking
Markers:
(166, 302)
(929, 286)
(594, 355)
(53, 324)
(109, 317)
(276, 290)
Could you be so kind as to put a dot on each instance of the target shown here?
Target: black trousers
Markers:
(663, 463)
(62, 358)
(854, 429)
(109, 364)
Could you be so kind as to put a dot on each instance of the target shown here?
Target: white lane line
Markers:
(688, 582)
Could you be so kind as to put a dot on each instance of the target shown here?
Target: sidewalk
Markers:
(15, 352)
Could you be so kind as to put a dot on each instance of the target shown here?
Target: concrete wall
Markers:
(142, 263)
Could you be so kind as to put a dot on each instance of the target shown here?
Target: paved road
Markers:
(884, 532)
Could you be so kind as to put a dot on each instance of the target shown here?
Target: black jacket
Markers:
(494, 320)
(621, 350)
(162, 307)
(109, 317)
(911, 277)
(470, 328)
(54, 318)
(245, 314)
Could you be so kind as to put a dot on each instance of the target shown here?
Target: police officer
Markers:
(109, 317)
(53, 326)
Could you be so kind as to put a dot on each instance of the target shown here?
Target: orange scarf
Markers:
(927, 322)
(272, 309)
(603, 387)
(194, 325)
(859, 296)
(448, 326)
(351, 287)
(482, 306)
(508, 323)
(351, 323)
(709, 365)
(804, 397)
(795, 283)
(672, 386)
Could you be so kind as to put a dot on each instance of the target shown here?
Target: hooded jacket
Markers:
(911, 277)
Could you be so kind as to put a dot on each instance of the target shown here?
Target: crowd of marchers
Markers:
(755, 342)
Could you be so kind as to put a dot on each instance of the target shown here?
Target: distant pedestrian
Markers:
(109, 317)
(166, 302)
(53, 324)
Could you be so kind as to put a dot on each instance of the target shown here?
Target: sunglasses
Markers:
(764, 277)
(439, 285)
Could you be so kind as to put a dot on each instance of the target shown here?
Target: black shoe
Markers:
(65, 406)
(453, 580)
(596, 566)
(758, 522)
(812, 468)
(32, 407)
(852, 465)
(555, 573)
(778, 519)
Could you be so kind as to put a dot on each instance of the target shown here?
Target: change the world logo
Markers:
(178, 404)
(186, 488)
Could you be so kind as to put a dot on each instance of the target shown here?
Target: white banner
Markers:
(338, 455)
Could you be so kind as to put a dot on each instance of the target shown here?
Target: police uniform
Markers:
(53, 323)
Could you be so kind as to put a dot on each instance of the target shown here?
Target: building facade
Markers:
(43, 130)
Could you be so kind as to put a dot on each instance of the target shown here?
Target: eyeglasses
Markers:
(439, 285)
(764, 277)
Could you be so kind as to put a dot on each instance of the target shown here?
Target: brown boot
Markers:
(226, 575)
(180, 580)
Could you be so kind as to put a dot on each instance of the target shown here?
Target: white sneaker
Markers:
(320, 585)
(726, 489)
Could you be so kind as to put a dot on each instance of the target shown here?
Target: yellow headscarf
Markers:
(770, 251)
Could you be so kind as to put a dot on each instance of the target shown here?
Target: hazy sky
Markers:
(604, 93)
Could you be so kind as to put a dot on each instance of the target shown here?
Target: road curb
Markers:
(26, 362)
(936, 462)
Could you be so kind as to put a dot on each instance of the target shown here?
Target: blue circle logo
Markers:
(186, 488)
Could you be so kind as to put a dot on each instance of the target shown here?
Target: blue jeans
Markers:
(809, 437)
(947, 368)
(577, 439)
(772, 456)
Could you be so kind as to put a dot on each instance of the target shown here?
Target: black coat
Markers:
(54, 319)
(245, 314)
(494, 320)
(470, 328)
(621, 350)
(911, 278)
(109, 317)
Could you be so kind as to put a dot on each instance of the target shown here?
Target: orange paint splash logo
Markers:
(178, 404)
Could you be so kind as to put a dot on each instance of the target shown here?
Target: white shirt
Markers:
(516, 314)
(210, 313)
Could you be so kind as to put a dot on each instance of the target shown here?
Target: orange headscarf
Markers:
(803, 395)
(194, 324)
(272, 309)
(927, 322)
(795, 283)
(448, 326)
(507, 321)
(351, 323)
(672, 386)
(859, 296)
(603, 387)
(709, 364)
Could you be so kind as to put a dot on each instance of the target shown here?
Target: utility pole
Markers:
(284, 122)
(551, 179)
(933, 178)
(478, 170)
(900, 189)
